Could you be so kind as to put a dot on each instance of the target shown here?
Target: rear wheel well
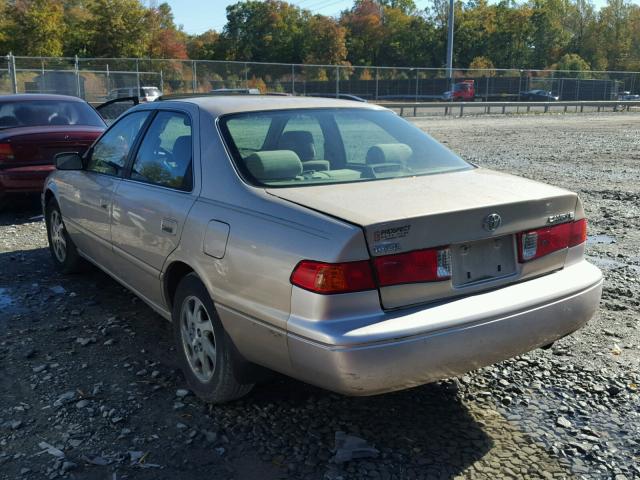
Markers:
(48, 195)
(176, 272)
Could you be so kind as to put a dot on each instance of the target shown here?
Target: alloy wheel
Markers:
(198, 338)
(58, 240)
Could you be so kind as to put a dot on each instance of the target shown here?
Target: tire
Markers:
(206, 354)
(63, 251)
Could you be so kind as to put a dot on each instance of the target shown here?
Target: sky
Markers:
(197, 16)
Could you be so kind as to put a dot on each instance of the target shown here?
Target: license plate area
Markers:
(483, 260)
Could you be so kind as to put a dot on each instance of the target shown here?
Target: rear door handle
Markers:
(167, 225)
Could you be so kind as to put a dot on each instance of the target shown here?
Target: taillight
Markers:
(432, 265)
(328, 278)
(543, 241)
(6, 152)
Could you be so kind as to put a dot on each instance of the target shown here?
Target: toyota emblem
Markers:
(492, 222)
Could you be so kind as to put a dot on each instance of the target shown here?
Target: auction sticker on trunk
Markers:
(390, 233)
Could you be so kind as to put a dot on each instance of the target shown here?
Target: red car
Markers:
(33, 128)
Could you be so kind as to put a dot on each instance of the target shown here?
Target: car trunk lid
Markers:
(33, 146)
(458, 211)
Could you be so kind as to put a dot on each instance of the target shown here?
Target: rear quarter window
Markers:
(249, 133)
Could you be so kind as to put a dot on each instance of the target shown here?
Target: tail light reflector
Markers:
(329, 278)
(543, 241)
(6, 152)
(430, 265)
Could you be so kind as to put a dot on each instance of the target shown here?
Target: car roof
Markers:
(38, 96)
(224, 104)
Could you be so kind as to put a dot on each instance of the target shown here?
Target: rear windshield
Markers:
(300, 147)
(33, 113)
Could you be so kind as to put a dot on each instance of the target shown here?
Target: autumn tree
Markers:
(324, 41)
(165, 40)
(365, 32)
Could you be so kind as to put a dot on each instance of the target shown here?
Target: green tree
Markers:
(481, 67)
(36, 27)
(550, 35)
(615, 34)
(4, 26)
(574, 66)
(77, 18)
(269, 31)
(205, 46)
(117, 28)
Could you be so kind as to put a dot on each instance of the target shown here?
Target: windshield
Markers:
(150, 91)
(31, 113)
(300, 147)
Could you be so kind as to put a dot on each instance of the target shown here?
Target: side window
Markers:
(303, 135)
(164, 157)
(359, 135)
(110, 154)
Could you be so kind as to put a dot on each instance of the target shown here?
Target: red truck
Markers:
(464, 91)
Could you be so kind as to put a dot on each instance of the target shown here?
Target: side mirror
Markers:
(69, 161)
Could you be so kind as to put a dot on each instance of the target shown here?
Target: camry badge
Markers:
(492, 222)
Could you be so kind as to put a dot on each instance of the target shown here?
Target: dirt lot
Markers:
(89, 388)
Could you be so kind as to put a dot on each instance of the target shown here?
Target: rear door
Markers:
(86, 196)
(152, 203)
(111, 110)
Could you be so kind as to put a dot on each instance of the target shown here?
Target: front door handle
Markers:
(104, 203)
(168, 225)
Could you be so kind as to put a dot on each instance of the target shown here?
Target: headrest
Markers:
(274, 165)
(182, 148)
(317, 165)
(301, 142)
(389, 153)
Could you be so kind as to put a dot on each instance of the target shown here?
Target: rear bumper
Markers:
(399, 351)
(28, 179)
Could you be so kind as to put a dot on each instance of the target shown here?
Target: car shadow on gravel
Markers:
(85, 336)
(19, 210)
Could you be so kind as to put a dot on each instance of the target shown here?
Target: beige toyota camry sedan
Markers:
(328, 240)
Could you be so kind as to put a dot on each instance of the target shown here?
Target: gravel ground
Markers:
(89, 388)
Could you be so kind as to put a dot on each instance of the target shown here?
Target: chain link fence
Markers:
(101, 79)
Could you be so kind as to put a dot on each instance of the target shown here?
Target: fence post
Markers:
(377, 74)
(161, 82)
(77, 68)
(246, 76)
(108, 79)
(193, 76)
(43, 84)
(337, 81)
(417, 79)
(293, 79)
(11, 60)
(486, 97)
(138, 76)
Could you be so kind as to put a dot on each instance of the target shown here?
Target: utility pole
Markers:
(450, 45)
